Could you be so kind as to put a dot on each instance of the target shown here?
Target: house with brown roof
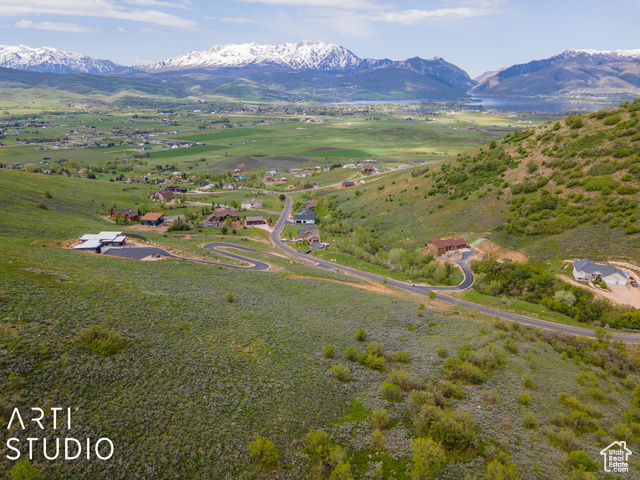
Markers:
(163, 195)
(368, 170)
(309, 235)
(441, 246)
(311, 204)
(220, 217)
(126, 213)
(254, 221)
(152, 219)
(228, 186)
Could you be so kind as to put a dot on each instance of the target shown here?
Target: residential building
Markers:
(152, 219)
(442, 246)
(254, 221)
(587, 271)
(305, 217)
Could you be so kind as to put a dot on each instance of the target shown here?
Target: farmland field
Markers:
(182, 365)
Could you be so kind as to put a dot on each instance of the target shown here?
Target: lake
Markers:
(510, 104)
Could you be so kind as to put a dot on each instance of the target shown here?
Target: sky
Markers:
(475, 35)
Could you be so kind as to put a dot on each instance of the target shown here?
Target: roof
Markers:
(100, 237)
(253, 202)
(447, 243)
(312, 232)
(587, 266)
(152, 217)
(348, 183)
(311, 203)
(88, 245)
(254, 219)
(306, 215)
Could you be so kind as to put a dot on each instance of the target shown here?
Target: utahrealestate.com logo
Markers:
(616, 458)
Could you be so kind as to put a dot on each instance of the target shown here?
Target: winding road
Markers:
(424, 289)
(139, 253)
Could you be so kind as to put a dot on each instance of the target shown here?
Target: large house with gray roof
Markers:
(586, 271)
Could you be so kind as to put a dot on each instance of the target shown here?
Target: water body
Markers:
(509, 104)
(541, 105)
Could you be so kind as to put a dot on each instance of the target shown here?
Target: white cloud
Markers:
(413, 16)
(60, 27)
(92, 8)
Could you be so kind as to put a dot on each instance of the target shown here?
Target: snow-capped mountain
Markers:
(52, 60)
(317, 56)
(618, 54)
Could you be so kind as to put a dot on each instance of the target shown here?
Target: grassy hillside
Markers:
(156, 357)
(565, 189)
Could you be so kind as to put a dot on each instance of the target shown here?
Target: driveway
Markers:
(138, 253)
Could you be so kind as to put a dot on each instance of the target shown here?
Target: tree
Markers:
(428, 456)
(499, 471)
(282, 197)
(342, 471)
(432, 295)
(23, 470)
(318, 447)
(264, 453)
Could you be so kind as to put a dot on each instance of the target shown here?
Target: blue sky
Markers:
(476, 35)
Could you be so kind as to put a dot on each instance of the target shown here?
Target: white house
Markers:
(585, 270)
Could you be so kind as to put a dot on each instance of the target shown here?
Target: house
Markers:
(163, 195)
(97, 242)
(228, 186)
(152, 219)
(241, 178)
(126, 213)
(586, 271)
(368, 170)
(220, 217)
(305, 217)
(348, 184)
(253, 203)
(311, 204)
(309, 235)
(440, 247)
(254, 221)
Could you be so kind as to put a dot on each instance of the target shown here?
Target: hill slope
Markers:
(566, 189)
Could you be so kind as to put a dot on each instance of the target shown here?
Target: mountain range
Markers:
(319, 71)
(572, 72)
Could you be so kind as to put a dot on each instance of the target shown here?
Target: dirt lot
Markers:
(618, 295)
(488, 247)
(144, 228)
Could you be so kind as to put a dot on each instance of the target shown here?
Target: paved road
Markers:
(424, 290)
(138, 253)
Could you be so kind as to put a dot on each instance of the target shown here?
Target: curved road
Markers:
(138, 253)
(424, 289)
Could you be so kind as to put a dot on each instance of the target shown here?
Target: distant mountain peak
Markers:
(53, 60)
(604, 53)
(304, 55)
